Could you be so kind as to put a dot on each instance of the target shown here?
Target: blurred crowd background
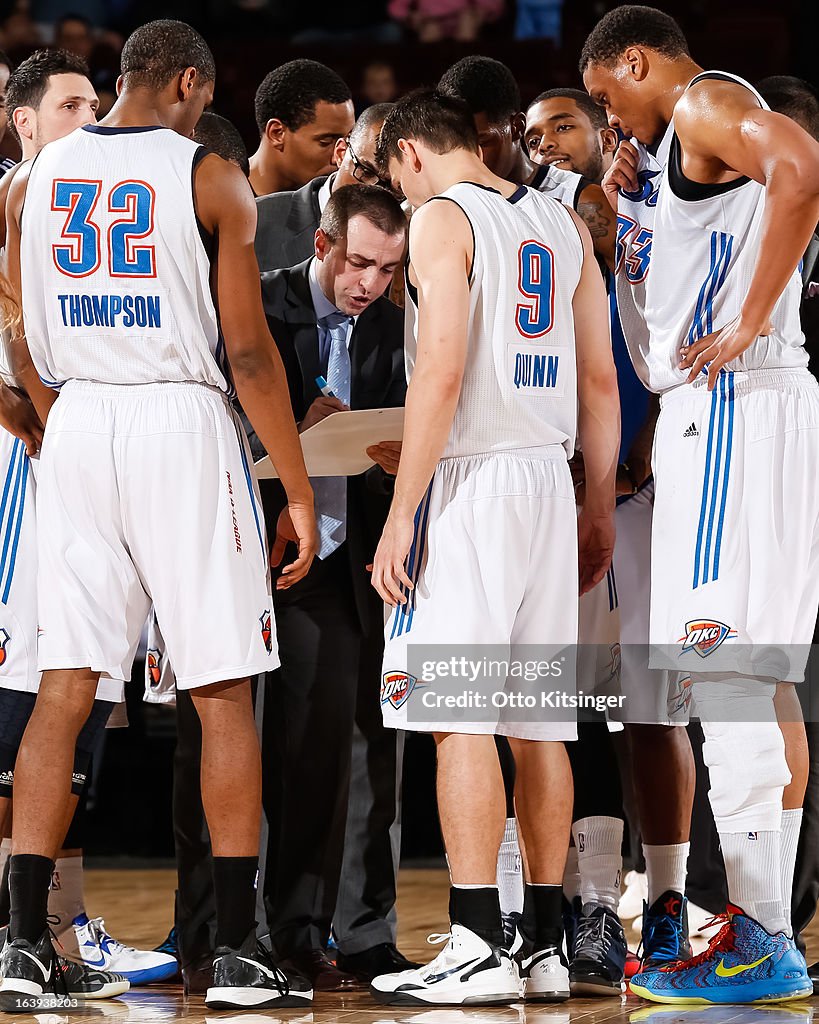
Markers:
(382, 48)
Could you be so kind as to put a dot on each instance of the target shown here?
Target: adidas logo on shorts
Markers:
(692, 431)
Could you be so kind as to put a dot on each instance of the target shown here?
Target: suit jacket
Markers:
(378, 381)
(287, 226)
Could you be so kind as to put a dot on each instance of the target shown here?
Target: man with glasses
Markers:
(288, 220)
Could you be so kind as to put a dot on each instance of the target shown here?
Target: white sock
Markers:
(510, 872)
(66, 898)
(753, 867)
(791, 827)
(665, 868)
(571, 875)
(599, 841)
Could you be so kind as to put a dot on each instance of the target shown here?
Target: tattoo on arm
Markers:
(595, 219)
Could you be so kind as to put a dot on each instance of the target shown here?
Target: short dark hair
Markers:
(6, 61)
(369, 118)
(592, 110)
(793, 97)
(291, 92)
(441, 122)
(221, 137)
(154, 53)
(485, 85)
(632, 25)
(378, 205)
(28, 83)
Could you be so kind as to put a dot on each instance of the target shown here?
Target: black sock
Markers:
(542, 921)
(234, 883)
(29, 879)
(479, 910)
(5, 898)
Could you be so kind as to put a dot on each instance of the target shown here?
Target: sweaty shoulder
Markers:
(219, 188)
(712, 101)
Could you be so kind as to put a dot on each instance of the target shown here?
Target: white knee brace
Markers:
(745, 756)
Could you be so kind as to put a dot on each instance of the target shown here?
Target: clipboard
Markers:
(336, 446)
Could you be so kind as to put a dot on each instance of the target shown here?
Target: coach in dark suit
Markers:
(287, 221)
(329, 319)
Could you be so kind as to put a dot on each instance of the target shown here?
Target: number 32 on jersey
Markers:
(79, 252)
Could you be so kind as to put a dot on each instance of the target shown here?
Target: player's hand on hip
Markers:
(296, 524)
(715, 350)
(386, 454)
(622, 174)
(389, 575)
(320, 410)
(20, 418)
(595, 547)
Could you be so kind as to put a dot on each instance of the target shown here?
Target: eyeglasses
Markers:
(366, 173)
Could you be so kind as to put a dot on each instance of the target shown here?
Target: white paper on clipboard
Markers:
(336, 446)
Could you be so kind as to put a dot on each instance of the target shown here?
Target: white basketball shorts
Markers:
(598, 650)
(494, 561)
(18, 574)
(735, 542)
(652, 696)
(18, 567)
(146, 495)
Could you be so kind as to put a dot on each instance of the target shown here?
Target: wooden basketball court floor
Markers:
(138, 905)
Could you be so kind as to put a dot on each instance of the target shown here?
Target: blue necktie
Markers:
(331, 491)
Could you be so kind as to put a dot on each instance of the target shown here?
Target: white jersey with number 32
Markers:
(115, 273)
(520, 380)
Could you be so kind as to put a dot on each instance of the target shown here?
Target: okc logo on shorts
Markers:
(267, 632)
(705, 635)
(680, 700)
(154, 666)
(396, 688)
(4, 639)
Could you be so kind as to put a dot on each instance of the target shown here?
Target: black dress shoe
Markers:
(320, 971)
(197, 976)
(370, 963)
(813, 974)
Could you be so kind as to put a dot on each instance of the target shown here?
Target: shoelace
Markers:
(436, 938)
(279, 977)
(58, 984)
(96, 929)
(594, 936)
(667, 931)
(722, 942)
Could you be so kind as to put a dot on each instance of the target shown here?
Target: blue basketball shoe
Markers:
(743, 964)
(665, 931)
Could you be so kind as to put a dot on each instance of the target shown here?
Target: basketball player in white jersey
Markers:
(566, 125)
(491, 92)
(501, 280)
(49, 95)
(710, 234)
(145, 493)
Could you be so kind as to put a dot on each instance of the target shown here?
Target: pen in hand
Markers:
(324, 387)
